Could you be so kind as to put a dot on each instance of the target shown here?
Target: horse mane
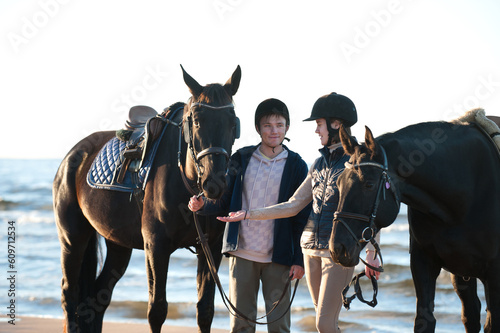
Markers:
(214, 93)
(156, 124)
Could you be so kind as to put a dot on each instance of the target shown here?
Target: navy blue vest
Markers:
(325, 171)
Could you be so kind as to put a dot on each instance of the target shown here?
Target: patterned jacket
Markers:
(324, 172)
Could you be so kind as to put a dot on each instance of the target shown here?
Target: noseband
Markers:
(208, 151)
(368, 233)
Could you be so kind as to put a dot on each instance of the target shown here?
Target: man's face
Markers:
(272, 130)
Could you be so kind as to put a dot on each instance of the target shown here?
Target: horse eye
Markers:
(196, 123)
(369, 185)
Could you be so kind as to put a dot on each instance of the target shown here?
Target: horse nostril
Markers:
(340, 251)
(214, 188)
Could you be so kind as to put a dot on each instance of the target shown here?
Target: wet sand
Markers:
(48, 325)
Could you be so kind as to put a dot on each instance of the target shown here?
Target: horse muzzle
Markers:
(342, 256)
(213, 177)
(214, 186)
(343, 249)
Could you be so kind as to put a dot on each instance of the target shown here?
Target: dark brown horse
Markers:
(165, 225)
(449, 177)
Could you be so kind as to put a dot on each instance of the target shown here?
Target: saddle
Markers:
(489, 124)
(134, 134)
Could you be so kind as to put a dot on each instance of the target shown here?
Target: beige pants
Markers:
(326, 280)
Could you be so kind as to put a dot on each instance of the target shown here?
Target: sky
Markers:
(70, 68)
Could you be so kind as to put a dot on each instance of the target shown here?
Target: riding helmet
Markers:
(334, 106)
(271, 106)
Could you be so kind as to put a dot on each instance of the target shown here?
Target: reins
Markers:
(225, 299)
(358, 293)
(202, 239)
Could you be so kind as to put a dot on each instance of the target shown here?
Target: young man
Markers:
(266, 251)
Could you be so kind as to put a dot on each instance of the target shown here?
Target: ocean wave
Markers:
(27, 217)
(401, 224)
(7, 204)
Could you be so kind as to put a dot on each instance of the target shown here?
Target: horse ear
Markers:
(233, 83)
(348, 141)
(194, 87)
(370, 142)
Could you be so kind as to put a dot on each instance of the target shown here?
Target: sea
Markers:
(26, 206)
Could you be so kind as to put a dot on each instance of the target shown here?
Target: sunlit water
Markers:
(26, 199)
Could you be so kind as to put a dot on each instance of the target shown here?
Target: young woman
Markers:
(325, 279)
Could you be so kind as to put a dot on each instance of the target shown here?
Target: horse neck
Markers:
(168, 153)
(424, 158)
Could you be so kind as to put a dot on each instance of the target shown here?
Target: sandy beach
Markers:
(47, 325)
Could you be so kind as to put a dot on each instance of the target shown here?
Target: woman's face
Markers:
(322, 130)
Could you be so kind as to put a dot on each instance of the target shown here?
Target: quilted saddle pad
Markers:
(108, 163)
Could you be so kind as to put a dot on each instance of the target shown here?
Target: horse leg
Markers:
(117, 259)
(78, 255)
(206, 287)
(466, 289)
(492, 293)
(425, 273)
(157, 259)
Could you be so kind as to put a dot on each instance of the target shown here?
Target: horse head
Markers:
(210, 127)
(368, 199)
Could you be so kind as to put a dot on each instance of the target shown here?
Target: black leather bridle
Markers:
(369, 232)
(188, 137)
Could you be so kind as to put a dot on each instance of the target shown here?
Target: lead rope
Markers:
(230, 307)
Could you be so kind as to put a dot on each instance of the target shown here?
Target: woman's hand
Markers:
(195, 203)
(374, 262)
(233, 216)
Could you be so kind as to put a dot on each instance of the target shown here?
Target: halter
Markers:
(188, 137)
(368, 233)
